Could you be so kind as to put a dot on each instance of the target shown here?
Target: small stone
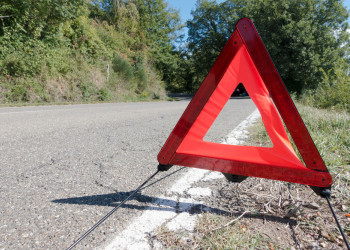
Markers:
(344, 208)
(271, 246)
(285, 204)
(322, 244)
(312, 205)
(313, 245)
(185, 240)
(325, 235)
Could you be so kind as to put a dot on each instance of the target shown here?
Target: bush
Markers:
(20, 90)
(88, 90)
(333, 92)
(122, 67)
(141, 77)
(23, 59)
(17, 93)
(104, 94)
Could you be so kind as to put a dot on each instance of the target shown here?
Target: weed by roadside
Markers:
(209, 235)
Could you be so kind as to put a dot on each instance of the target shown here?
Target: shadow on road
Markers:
(164, 204)
(239, 97)
(188, 97)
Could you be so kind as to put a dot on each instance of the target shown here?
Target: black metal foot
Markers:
(322, 191)
(164, 167)
(235, 177)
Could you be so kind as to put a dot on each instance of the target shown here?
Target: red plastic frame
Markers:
(177, 149)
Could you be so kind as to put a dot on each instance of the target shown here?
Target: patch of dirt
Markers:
(97, 78)
(286, 216)
(289, 214)
(57, 88)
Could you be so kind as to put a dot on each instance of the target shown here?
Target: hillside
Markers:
(75, 51)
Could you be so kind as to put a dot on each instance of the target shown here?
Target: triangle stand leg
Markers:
(326, 193)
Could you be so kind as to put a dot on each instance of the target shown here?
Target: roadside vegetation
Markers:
(85, 51)
(118, 50)
(307, 39)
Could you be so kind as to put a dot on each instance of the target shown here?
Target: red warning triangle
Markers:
(244, 59)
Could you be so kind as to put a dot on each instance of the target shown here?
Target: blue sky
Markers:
(185, 7)
(347, 4)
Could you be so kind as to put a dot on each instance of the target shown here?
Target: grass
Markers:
(235, 236)
(209, 235)
(329, 130)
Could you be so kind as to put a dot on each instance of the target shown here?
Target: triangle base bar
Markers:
(301, 175)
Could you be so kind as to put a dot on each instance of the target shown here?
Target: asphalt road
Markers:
(65, 167)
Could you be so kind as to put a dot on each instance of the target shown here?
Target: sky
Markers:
(185, 7)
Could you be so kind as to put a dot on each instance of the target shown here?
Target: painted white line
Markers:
(239, 134)
(37, 111)
(213, 176)
(187, 180)
(173, 210)
(184, 221)
(21, 112)
(134, 237)
(199, 192)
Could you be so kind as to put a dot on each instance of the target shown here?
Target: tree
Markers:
(207, 35)
(304, 37)
(159, 25)
(39, 18)
(153, 24)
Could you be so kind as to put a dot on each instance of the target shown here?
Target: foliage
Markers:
(39, 19)
(304, 37)
(206, 36)
(151, 24)
(329, 129)
(59, 50)
(332, 93)
(162, 24)
(123, 67)
(180, 73)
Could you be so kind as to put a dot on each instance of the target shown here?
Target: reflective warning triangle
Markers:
(245, 59)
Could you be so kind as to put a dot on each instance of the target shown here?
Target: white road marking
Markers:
(173, 209)
(199, 192)
(36, 111)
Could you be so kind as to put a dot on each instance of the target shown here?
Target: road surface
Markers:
(65, 167)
